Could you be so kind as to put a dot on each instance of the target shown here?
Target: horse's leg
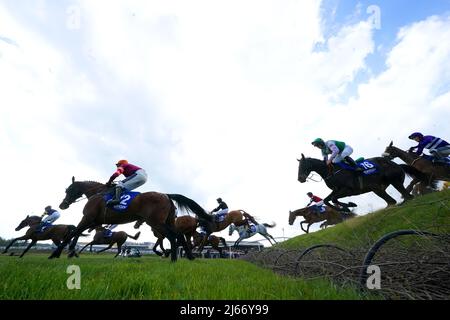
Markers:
(107, 248)
(301, 226)
(158, 243)
(119, 247)
(89, 244)
(187, 249)
(309, 225)
(172, 237)
(383, 194)
(203, 242)
(84, 224)
(412, 184)
(33, 242)
(400, 188)
(12, 242)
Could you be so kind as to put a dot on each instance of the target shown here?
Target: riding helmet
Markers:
(416, 134)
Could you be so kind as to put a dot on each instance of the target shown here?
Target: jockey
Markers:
(318, 202)
(222, 209)
(135, 177)
(52, 216)
(438, 147)
(337, 150)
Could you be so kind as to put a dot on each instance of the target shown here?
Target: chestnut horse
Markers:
(330, 216)
(118, 237)
(56, 233)
(427, 171)
(236, 217)
(156, 209)
(212, 240)
(183, 224)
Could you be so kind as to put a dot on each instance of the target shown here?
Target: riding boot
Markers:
(116, 199)
(352, 163)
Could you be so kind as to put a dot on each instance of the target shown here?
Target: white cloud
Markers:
(210, 99)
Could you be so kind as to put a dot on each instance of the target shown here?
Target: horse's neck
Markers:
(91, 188)
(319, 167)
(300, 212)
(405, 156)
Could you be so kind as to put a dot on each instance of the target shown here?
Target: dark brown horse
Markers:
(345, 183)
(236, 217)
(118, 237)
(330, 216)
(156, 209)
(183, 224)
(56, 233)
(212, 241)
(427, 171)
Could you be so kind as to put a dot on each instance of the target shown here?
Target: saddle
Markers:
(438, 161)
(125, 200)
(367, 167)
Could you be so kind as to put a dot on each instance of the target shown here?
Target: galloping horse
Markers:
(330, 216)
(56, 233)
(345, 183)
(183, 224)
(236, 217)
(244, 234)
(156, 209)
(427, 171)
(212, 240)
(118, 237)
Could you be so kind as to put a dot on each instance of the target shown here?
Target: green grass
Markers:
(426, 213)
(102, 277)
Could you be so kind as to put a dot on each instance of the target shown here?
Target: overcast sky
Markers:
(212, 98)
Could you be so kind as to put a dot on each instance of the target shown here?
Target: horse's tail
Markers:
(223, 242)
(187, 204)
(136, 236)
(248, 216)
(269, 225)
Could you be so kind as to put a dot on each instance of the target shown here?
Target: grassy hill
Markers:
(427, 213)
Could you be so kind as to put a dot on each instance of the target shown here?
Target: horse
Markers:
(184, 224)
(244, 234)
(345, 183)
(118, 237)
(236, 217)
(212, 240)
(56, 233)
(156, 209)
(426, 171)
(330, 216)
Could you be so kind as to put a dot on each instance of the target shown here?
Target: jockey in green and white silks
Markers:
(334, 151)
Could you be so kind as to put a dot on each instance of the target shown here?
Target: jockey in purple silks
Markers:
(437, 147)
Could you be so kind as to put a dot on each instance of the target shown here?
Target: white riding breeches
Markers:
(52, 218)
(345, 153)
(222, 211)
(134, 181)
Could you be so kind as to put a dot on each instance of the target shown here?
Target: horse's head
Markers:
(73, 192)
(292, 217)
(304, 169)
(390, 151)
(28, 221)
(231, 229)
